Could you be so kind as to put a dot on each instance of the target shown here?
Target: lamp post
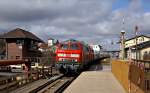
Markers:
(122, 44)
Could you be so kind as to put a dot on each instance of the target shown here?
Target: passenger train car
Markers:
(97, 51)
(73, 56)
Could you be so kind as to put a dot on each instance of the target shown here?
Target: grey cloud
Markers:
(24, 10)
(91, 21)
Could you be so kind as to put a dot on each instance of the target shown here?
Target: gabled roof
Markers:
(138, 37)
(20, 33)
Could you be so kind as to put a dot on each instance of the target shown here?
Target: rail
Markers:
(45, 84)
(35, 86)
(57, 86)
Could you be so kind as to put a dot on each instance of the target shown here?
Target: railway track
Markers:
(54, 85)
(58, 86)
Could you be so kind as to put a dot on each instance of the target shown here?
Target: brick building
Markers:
(21, 44)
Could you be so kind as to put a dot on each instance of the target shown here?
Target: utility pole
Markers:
(136, 50)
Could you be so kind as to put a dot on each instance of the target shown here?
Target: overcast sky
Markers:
(92, 21)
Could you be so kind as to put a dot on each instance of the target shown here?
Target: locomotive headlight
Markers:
(75, 60)
(75, 55)
(61, 55)
(60, 59)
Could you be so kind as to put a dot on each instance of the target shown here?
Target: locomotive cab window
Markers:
(74, 47)
(64, 46)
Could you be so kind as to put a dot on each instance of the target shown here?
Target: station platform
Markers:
(95, 82)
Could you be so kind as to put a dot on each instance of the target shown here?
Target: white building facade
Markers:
(135, 46)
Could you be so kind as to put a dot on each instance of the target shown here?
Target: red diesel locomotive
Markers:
(72, 56)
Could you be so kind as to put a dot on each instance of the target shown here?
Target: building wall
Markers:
(120, 69)
(144, 57)
(19, 51)
(133, 41)
(28, 51)
(140, 54)
(132, 54)
(13, 50)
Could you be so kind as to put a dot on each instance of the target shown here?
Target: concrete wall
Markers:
(130, 76)
(120, 69)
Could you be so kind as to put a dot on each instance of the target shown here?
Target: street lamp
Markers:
(123, 44)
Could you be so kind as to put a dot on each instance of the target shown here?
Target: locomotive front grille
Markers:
(67, 60)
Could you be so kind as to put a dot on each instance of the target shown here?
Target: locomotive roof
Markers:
(74, 41)
(71, 40)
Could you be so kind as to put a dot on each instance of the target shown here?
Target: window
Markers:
(86, 49)
(145, 52)
(74, 47)
(20, 42)
(64, 46)
(143, 38)
(33, 45)
(145, 56)
(17, 57)
(23, 67)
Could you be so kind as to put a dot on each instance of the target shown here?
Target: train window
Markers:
(64, 46)
(17, 57)
(74, 46)
(86, 49)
